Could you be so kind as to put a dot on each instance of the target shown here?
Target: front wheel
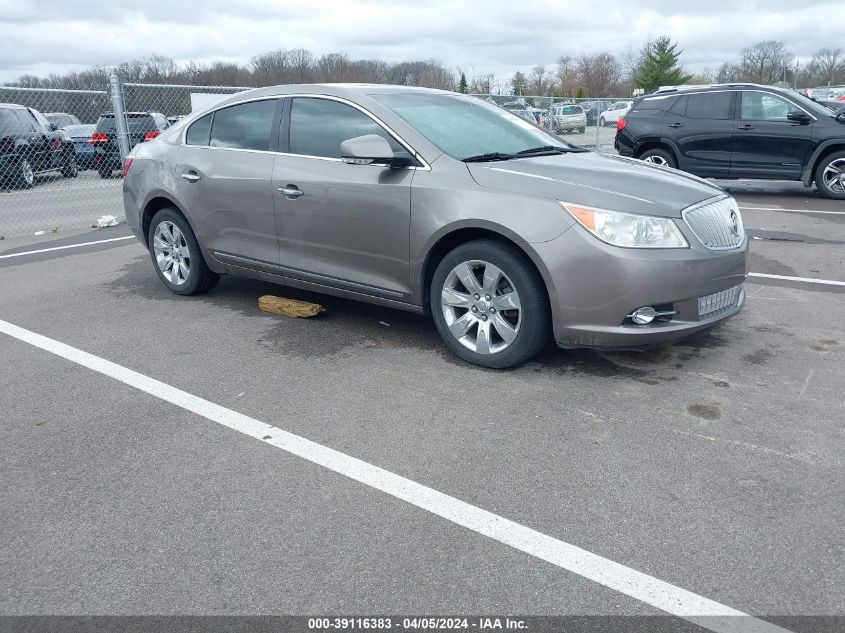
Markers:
(602, 122)
(25, 176)
(176, 254)
(830, 176)
(489, 304)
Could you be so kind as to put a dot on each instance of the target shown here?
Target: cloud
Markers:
(497, 36)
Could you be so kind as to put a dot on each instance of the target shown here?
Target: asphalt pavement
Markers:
(714, 465)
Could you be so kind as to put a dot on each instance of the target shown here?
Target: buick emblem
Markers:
(734, 224)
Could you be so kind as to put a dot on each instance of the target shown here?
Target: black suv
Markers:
(30, 145)
(142, 126)
(738, 131)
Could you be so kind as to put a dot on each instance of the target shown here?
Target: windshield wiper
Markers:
(550, 149)
(490, 156)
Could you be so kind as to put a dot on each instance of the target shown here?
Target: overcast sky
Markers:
(499, 36)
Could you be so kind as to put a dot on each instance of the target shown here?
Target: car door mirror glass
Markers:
(798, 116)
(366, 150)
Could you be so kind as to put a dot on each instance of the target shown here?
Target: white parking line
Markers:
(657, 593)
(792, 210)
(60, 248)
(807, 280)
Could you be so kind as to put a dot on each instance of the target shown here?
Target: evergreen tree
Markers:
(518, 83)
(462, 85)
(660, 66)
(579, 94)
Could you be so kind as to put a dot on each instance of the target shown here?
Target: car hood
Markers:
(592, 179)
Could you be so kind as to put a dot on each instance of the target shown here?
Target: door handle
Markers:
(676, 125)
(745, 126)
(191, 176)
(292, 191)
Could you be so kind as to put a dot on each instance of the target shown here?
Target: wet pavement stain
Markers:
(704, 411)
(758, 357)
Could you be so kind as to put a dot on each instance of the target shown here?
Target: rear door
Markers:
(223, 176)
(39, 150)
(701, 126)
(767, 144)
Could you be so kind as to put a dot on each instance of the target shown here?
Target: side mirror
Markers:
(799, 116)
(371, 149)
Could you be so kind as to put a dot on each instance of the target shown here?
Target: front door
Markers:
(223, 175)
(766, 143)
(341, 225)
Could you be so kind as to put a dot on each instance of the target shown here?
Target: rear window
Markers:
(199, 131)
(137, 123)
(572, 110)
(663, 104)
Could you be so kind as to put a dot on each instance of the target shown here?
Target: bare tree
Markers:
(827, 66)
(482, 84)
(765, 62)
(566, 76)
(540, 82)
(597, 74)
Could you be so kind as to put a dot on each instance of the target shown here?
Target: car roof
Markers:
(12, 105)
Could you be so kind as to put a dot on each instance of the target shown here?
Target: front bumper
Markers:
(593, 287)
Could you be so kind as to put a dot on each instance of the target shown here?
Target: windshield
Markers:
(811, 106)
(465, 126)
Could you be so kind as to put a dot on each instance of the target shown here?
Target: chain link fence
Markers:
(51, 180)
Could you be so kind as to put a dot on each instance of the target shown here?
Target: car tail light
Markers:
(151, 135)
(126, 165)
(621, 122)
(98, 138)
(57, 144)
(8, 146)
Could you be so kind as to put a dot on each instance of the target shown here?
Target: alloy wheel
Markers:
(481, 307)
(834, 176)
(27, 173)
(656, 160)
(172, 253)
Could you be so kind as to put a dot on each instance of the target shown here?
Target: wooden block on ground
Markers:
(289, 307)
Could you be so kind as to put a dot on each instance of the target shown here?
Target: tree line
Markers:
(656, 62)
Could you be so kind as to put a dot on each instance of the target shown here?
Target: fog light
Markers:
(643, 315)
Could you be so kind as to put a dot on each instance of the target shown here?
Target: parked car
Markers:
(613, 112)
(61, 119)
(831, 104)
(28, 148)
(739, 131)
(173, 120)
(568, 118)
(592, 110)
(81, 137)
(141, 126)
(520, 110)
(406, 197)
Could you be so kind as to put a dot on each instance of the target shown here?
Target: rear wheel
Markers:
(603, 122)
(489, 304)
(25, 176)
(104, 172)
(176, 254)
(658, 156)
(830, 176)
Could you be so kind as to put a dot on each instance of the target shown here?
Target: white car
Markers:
(612, 114)
(569, 118)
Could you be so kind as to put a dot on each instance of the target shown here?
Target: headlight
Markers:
(627, 230)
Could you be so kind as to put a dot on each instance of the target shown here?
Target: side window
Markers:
(709, 105)
(761, 106)
(245, 126)
(319, 126)
(680, 106)
(199, 131)
(27, 122)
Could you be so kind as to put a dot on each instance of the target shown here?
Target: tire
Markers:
(658, 156)
(70, 169)
(24, 177)
(513, 335)
(105, 172)
(187, 273)
(830, 176)
(602, 122)
(581, 130)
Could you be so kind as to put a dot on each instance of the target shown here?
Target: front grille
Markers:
(711, 305)
(717, 225)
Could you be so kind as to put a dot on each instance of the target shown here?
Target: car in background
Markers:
(613, 112)
(520, 110)
(81, 135)
(593, 109)
(832, 104)
(568, 118)
(142, 126)
(29, 147)
(61, 119)
(738, 131)
(173, 120)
